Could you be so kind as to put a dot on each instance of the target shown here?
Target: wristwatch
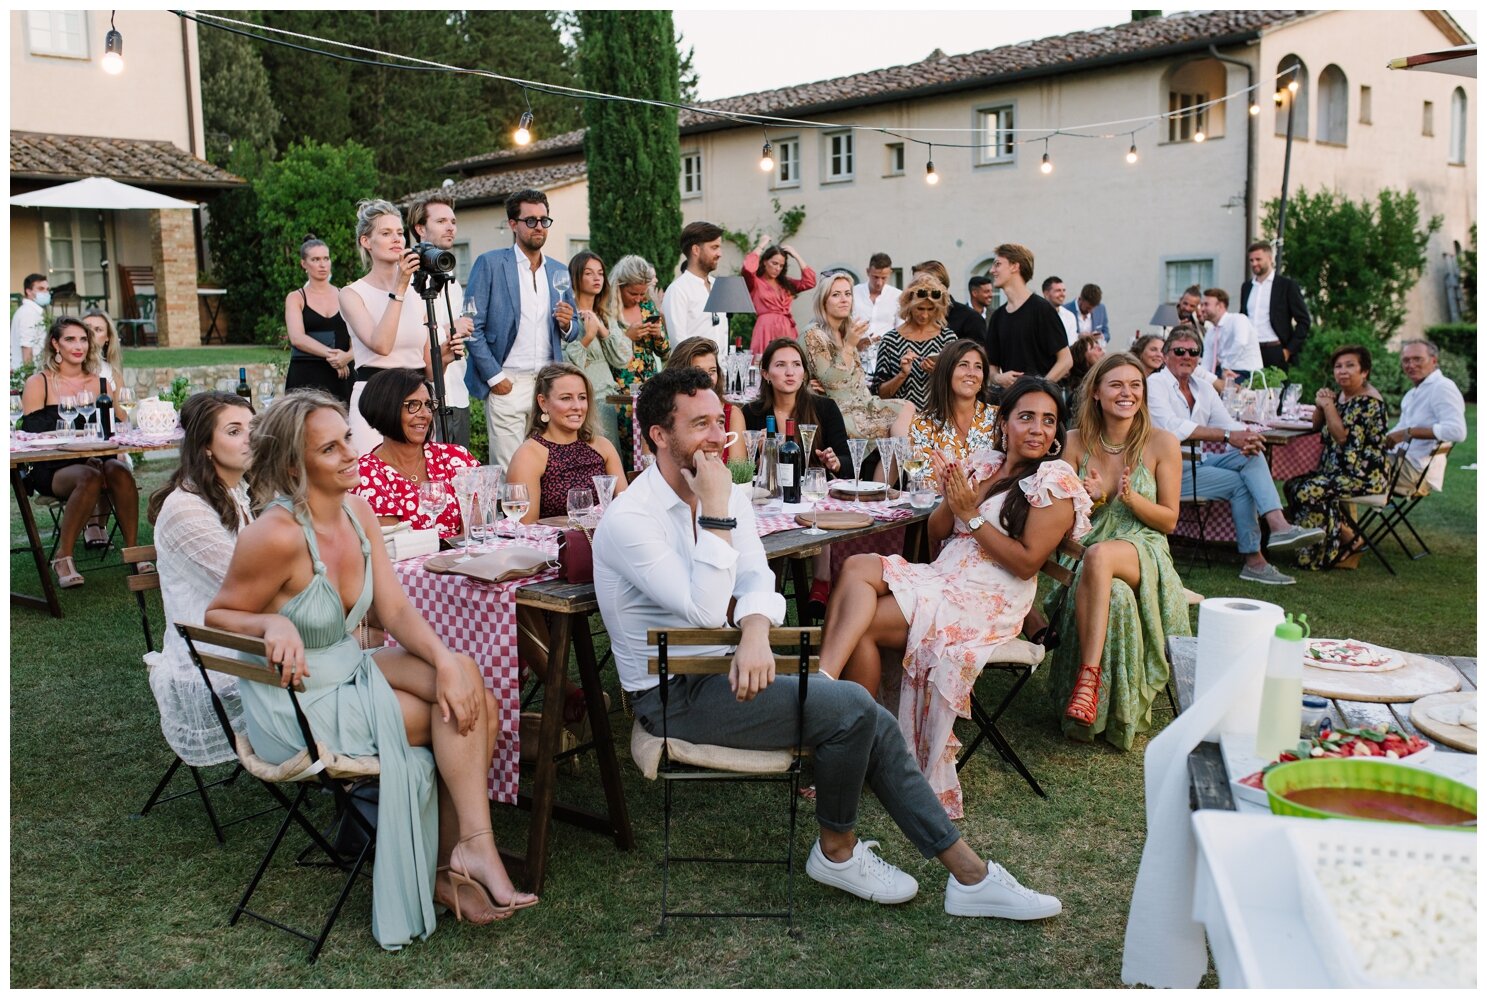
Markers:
(974, 524)
(1226, 436)
(394, 296)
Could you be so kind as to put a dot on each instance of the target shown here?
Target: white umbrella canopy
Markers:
(98, 192)
(1460, 61)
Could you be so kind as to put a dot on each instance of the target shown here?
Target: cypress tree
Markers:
(634, 159)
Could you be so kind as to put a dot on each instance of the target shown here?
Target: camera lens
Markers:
(432, 258)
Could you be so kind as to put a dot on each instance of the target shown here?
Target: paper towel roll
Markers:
(1234, 634)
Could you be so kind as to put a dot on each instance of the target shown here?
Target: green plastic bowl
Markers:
(1364, 775)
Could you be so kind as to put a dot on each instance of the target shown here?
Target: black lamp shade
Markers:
(730, 295)
(1166, 315)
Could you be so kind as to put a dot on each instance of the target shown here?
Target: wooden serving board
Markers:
(1456, 736)
(555, 522)
(1419, 677)
(834, 520)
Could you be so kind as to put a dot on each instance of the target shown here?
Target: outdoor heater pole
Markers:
(1285, 178)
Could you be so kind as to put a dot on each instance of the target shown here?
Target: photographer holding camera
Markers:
(432, 225)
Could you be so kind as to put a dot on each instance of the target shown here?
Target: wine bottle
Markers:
(243, 389)
(792, 462)
(105, 409)
(769, 425)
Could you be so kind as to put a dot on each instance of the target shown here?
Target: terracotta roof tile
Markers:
(495, 187)
(1058, 53)
(41, 155)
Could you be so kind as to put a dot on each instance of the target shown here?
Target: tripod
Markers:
(429, 284)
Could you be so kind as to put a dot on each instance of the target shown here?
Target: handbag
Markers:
(576, 556)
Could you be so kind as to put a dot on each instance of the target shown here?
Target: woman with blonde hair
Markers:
(110, 349)
(1128, 598)
(832, 344)
(701, 352)
(906, 357)
(313, 551)
(563, 449)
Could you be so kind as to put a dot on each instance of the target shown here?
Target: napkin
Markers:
(410, 543)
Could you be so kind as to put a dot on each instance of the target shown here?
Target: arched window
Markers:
(1458, 125)
(1188, 87)
(1332, 106)
(1301, 95)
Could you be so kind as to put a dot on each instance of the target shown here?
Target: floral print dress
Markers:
(392, 495)
(926, 434)
(839, 370)
(959, 609)
(1356, 467)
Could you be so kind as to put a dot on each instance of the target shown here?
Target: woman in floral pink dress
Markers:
(1003, 516)
(773, 292)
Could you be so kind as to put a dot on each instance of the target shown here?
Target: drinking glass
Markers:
(604, 491)
(580, 506)
(753, 439)
(858, 447)
(807, 438)
(921, 497)
(515, 502)
(15, 409)
(87, 408)
(470, 311)
(561, 283)
(126, 402)
(267, 390)
(888, 448)
(492, 478)
(813, 491)
(433, 497)
(226, 384)
(67, 412)
(466, 484)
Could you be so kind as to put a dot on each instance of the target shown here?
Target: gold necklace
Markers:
(413, 478)
(1112, 448)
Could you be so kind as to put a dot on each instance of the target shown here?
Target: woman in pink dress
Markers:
(1004, 513)
(773, 293)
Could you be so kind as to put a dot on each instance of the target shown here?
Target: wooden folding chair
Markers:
(1193, 509)
(246, 658)
(674, 760)
(1022, 659)
(1406, 492)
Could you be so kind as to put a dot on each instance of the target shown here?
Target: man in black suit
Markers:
(1275, 308)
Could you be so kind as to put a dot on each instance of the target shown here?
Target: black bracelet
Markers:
(717, 523)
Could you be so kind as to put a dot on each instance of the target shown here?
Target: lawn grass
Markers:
(185, 357)
(101, 899)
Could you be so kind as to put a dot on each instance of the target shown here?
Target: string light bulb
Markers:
(1047, 165)
(930, 177)
(1280, 97)
(1131, 156)
(1293, 86)
(766, 159)
(1254, 108)
(1198, 136)
(113, 49)
(523, 134)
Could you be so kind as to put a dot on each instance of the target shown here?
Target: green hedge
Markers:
(1461, 340)
(1314, 369)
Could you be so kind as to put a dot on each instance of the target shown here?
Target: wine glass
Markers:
(67, 412)
(813, 491)
(807, 438)
(858, 448)
(754, 439)
(433, 497)
(87, 408)
(126, 402)
(15, 410)
(268, 389)
(580, 505)
(515, 502)
(466, 483)
(561, 283)
(470, 311)
(604, 491)
(492, 478)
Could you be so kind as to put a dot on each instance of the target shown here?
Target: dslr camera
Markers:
(434, 261)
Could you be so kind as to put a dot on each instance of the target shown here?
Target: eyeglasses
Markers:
(533, 222)
(1186, 352)
(412, 406)
(931, 293)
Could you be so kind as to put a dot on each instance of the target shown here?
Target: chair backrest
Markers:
(1414, 482)
(242, 656)
(663, 638)
(140, 583)
(1057, 571)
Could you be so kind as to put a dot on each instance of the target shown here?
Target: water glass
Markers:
(580, 506)
(604, 491)
(921, 496)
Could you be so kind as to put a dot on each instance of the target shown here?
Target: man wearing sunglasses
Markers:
(521, 319)
(1190, 408)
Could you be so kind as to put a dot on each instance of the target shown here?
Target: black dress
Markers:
(831, 431)
(309, 371)
(38, 476)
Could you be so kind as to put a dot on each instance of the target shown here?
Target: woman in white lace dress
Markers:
(197, 515)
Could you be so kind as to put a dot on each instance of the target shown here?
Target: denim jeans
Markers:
(1242, 480)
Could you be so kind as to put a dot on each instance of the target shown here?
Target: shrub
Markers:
(1460, 339)
(479, 442)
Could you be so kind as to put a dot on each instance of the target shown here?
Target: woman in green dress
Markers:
(1127, 595)
(302, 577)
(600, 350)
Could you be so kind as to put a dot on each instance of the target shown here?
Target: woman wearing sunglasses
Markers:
(396, 404)
(906, 355)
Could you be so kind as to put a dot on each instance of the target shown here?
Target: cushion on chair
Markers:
(1376, 499)
(298, 768)
(646, 750)
(1016, 652)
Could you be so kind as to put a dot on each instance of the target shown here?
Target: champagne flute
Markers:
(604, 491)
(466, 484)
(754, 438)
(813, 491)
(858, 448)
(433, 498)
(515, 502)
(807, 438)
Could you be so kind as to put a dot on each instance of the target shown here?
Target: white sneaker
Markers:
(866, 875)
(1000, 895)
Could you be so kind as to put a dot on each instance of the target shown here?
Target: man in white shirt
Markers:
(875, 302)
(1274, 304)
(683, 304)
(1190, 408)
(1431, 411)
(1057, 294)
(1234, 346)
(28, 325)
(679, 549)
(432, 219)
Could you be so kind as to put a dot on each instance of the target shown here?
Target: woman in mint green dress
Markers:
(302, 577)
(1112, 662)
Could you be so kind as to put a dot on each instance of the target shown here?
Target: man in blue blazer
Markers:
(524, 311)
(1089, 313)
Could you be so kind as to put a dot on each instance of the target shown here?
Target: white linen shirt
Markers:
(1259, 307)
(1071, 325)
(27, 329)
(880, 316)
(682, 309)
(1169, 408)
(532, 349)
(1235, 345)
(653, 568)
(1435, 403)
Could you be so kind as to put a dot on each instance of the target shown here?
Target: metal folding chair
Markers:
(1022, 659)
(673, 760)
(1405, 495)
(315, 766)
(1193, 508)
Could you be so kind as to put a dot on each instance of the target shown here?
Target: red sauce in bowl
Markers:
(1389, 806)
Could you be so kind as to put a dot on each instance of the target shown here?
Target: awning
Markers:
(98, 192)
(1459, 61)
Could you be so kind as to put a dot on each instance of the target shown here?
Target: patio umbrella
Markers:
(1459, 61)
(98, 192)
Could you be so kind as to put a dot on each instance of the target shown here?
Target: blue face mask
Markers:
(43, 298)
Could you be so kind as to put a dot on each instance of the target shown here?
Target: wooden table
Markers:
(568, 606)
(48, 600)
(1210, 778)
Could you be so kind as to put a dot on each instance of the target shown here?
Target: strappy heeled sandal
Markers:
(1084, 702)
(447, 894)
(459, 878)
(67, 574)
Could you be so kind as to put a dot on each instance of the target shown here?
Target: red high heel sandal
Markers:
(1084, 702)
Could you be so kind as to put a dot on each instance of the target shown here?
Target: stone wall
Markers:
(154, 381)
